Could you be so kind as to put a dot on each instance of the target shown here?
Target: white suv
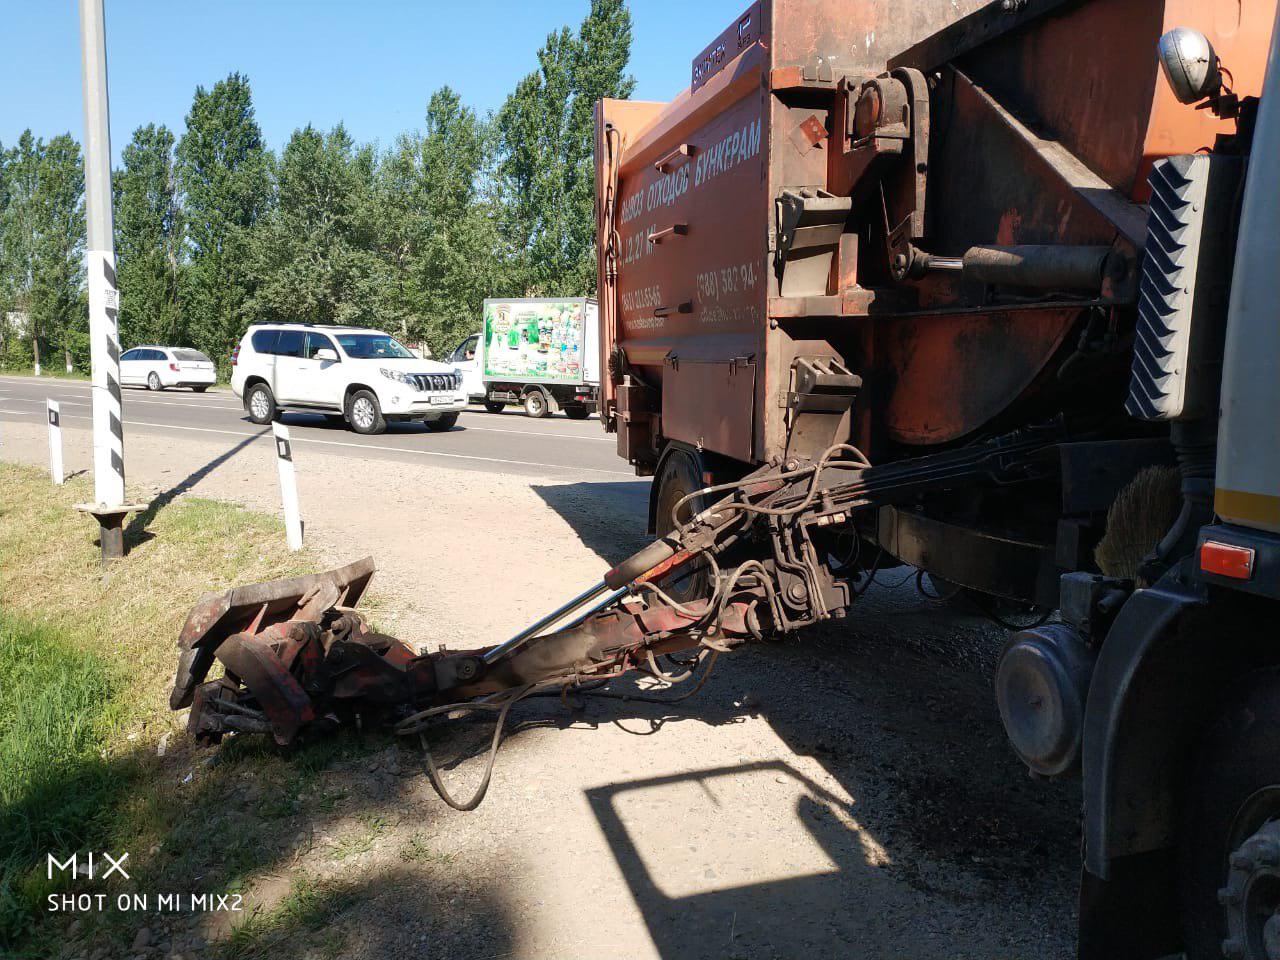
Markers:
(363, 377)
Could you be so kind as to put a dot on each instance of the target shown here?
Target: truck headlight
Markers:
(397, 376)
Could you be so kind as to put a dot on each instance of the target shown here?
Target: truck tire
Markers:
(577, 411)
(260, 404)
(443, 423)
(1230, 843)
(536, 404)
(495, 406)
(365, 414)
(677, 477)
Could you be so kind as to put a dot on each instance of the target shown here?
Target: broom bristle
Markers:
(1138, 520)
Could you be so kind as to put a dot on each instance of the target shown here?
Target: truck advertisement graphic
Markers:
(537, 340)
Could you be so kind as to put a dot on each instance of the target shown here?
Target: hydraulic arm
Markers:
(298, 658)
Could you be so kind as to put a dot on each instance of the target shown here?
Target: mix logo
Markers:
(91, 869)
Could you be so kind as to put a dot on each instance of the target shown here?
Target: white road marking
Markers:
(372, 446)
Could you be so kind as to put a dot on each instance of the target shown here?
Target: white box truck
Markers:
(542, 353)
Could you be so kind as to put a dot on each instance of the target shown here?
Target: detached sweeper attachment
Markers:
(298, 659)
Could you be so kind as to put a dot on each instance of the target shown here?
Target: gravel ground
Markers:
(845, 794)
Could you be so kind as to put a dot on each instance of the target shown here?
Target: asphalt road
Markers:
(508, 442)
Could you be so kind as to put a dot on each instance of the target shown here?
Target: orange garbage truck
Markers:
(987, 290)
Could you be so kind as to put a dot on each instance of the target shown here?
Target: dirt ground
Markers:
(847, 793)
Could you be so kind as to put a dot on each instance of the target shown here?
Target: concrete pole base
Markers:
(111, 526)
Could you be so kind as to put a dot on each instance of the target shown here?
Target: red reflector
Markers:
(1226, 560)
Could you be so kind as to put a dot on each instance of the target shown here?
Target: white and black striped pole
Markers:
(104, 301)
(55, 442)
(288, 486)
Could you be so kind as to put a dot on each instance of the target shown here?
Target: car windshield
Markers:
(372, 346)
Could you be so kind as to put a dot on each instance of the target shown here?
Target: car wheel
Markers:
(577, 411)
(200, 389)
(535, 404)
(365, 414)
(153, 381)
(677, 479)
(446, 421)
(494, 406)
(1230, 854)
(260, 403)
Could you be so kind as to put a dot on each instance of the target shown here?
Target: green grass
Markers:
(58, 709)
(311, 904)
(86, 662)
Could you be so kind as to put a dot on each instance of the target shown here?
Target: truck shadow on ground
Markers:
(894, 703)
(928, 840)
(609, 517)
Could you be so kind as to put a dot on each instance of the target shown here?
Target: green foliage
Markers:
(440, 233)
(225, 174)
(149, 254)
(314, 253)
(546, 132)
(217, 233)
(42, 250)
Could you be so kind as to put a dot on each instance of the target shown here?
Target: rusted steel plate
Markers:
(217, 616)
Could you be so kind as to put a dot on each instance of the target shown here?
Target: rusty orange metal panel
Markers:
(701, 403)
(952, 372)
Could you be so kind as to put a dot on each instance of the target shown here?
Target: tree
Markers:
(224, 173)
(148, 239)
(58, 305)
(439, 235)
(22, 175)
(315, 258)
(42, 252)
(546, 135)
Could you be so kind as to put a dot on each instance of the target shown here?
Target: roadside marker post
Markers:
(55, 442)
(288, 486)
(108, 508)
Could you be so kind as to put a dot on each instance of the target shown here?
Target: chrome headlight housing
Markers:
(397, 376)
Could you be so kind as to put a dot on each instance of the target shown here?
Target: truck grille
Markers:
(435, 382)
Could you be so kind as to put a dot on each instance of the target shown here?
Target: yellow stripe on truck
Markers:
(1253, 509)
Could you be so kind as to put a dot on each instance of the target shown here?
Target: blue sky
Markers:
(371, 65)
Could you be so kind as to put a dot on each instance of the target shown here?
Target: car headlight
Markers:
(397, 376)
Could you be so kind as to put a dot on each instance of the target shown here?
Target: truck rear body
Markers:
(1041, 127)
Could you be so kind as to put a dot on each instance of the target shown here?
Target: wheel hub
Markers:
(362, 411)
(259, 404)
(1251, 897)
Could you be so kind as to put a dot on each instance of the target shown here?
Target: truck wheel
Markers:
(1230, 846)
(577, 411)
(260, 404)
(364, 414)
(678, 478)
(442, 423)
(535, 404)
(494, 406)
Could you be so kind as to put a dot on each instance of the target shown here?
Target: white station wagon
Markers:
(159, 367)
(348, 374)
